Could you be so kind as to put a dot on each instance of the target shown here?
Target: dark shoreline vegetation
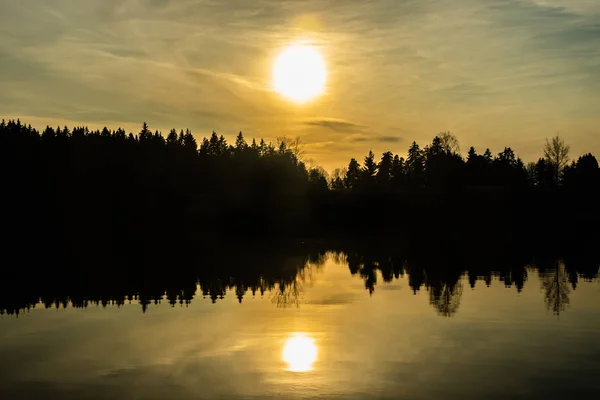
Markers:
(105, 217)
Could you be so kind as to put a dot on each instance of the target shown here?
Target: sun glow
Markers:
(299, 352)
(299, 73)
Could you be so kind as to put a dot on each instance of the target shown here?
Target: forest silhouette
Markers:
(103, 185)
(108, 217)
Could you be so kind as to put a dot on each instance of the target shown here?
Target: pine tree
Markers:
(262, 148)
(487, 156)
(172, 140)
(189, 143)
(369, 167)
(471, 155)
(353, 175)
(397, 169)
(384, 169)
(415, 160)
(240, 143)
(145, 132)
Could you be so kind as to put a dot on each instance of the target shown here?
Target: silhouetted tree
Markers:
(544, 175)
(449, 142)
(556, 153)
(384, 169)
(353, 176)
(295, 146)
(317, 179)
(240, 144)
(471, 155)
(369, 168)
(487, 155)
(442, 164)
(415, 163)
(337, 179)
(398, 172)
(583, 174)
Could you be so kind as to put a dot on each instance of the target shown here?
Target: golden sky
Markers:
(495, 72)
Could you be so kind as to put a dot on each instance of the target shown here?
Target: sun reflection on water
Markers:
(299, 352)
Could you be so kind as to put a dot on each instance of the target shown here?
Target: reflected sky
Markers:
(350, 344)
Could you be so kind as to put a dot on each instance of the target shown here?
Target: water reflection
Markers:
(556, 288)
(299, 352)
(360, 321)
(445, 298)
(284, 273)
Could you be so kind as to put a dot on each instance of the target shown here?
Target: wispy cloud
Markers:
(375, 139)
(497, 72)
(335, 124)
(389, 139)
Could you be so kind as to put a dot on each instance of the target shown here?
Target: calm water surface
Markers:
(325, 336)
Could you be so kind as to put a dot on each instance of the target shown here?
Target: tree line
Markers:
(439, 165)
(72, 192)
(76, 179)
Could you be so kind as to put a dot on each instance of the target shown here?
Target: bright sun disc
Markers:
(299, 73)
(299, 352)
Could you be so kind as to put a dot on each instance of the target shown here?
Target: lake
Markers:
(336, 328)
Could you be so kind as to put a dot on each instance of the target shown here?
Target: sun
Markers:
(299, 352)
(299, 73)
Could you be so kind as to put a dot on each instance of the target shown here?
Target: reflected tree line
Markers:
(108, 217)
(444, 274)
(280, 272)
(236, 270)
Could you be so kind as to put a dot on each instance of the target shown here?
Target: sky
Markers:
(494, 72)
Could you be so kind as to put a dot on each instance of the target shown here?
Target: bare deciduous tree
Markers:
(337, 178)
(289, 293)
(339, 173)
(556, 289)
(449, 142)
(556, 152)
(295, 145)
(446, 299)
(321, 171)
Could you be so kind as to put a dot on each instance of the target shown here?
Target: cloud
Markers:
(335, 124)
(464, 92)
(389, 139)
(571, 6)
(497, 72)
(376, 138)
